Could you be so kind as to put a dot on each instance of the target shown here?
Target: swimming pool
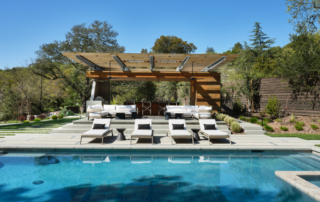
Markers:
(141, 176)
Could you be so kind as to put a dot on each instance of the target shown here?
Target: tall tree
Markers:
(260, 41)
(237, 48)
(144, 50)
(98, 37)
(172, 44)
(305, 14)
(210, 50)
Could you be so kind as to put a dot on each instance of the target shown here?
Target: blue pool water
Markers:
(151, 177)
(312, 179)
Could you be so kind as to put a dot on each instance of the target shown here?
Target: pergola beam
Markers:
(185, 60)
(213, 65)
(92, 65)
(151, 60)
(120, 63)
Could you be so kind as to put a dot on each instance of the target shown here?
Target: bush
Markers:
(263, 113)
(273, 107)
(54, 117)
(241, 118)
(222, 117)
(268, 128)
(314, 127)
(237, 107)
(69, 113)
(298, 127)
(37, 120)
(235, 127)
(47, 118)
(266, 120)
(230, 121)
(300, 123)
(283, 128)
(226, 118)
(60, 116)
(42, 116)
(278, 120)
(292, 120)
(253, 119)
(63, 111)
(31, 118)
(25, 121)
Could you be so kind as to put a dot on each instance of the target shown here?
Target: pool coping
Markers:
(294, 179)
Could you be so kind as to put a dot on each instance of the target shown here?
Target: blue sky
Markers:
(25, 25)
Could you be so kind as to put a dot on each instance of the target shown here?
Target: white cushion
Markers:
(95, 132)
(109, 107)
(97, 106)
(185, 113)
(179, 132)
(205, 108)
(142, 121)
(173, 107)
(126, 112)
(142, 132)
(202, 115)
(206, 121)
(177, 121)
(214, 132)
(103, 113)
(192, 108)
(126, 108)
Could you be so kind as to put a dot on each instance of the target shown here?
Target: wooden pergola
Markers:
(196, 68)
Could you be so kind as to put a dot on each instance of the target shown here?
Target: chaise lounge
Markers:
(142, 129)
(100, 129)
(178, 130)
(209, 129)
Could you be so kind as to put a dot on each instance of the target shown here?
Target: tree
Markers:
(210, 50)
(172, 44)
(237, 48)
(260, 41)
(300, 65)
(52, 65)
(144, 50)
(304, 14)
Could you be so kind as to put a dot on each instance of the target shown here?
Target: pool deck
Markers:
(62, 140)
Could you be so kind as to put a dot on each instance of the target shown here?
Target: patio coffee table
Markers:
(121, 136)
(120, 116)
(179, 116)
(195, 134)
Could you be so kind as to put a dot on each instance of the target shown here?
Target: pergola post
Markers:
(193, 92)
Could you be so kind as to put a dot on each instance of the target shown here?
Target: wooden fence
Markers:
(301, 104)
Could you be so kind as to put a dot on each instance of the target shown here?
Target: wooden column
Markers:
(193, 92)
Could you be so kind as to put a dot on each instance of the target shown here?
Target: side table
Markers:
(195, 134)
(121, 136)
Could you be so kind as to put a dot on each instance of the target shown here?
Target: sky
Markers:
(26, 25)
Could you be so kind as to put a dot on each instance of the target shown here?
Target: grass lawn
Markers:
(42, 127)
(302, 136)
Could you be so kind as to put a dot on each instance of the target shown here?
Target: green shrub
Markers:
(314, 127)
(60, 116)
(63, 111)
(230, 121)
(37, 120)
(235, 127)
(283, 128)
(253, 119)
(298, 127)
(266, 120)
(247, 119)
(222, 117)
(278, 120)
(292, 120)
(237, 107)
(313, 120)
(226, 118)
(273, 106)
(263, 113)
(268, 128)
(25, 121)
(54, 117)
(241, 118)
(69, 113)
(300, 123)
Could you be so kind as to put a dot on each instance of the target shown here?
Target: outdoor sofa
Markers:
(207, 130)
(178, 130)
(99, 111)
(142, 129)
(100, 129)
(193, 111)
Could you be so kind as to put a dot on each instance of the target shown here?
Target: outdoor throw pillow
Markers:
(177, 126)
(209, 126)
(143, 126)
(98, 126)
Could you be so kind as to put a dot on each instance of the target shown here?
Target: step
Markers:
(131, 121)
(87, 127)
(254, 132)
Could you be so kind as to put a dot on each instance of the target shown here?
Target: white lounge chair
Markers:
(142, 133)
(98, 133)
(212, 133)
(179, 133)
